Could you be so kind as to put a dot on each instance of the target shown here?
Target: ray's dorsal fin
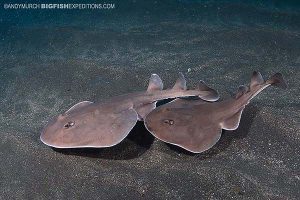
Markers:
(241, 91)
(155, 83)
(180, 83)
(277, 81)
(209, 94)
(232, 123)
(256, 79)
(78, 106)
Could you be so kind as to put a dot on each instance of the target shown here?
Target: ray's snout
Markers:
(50, 135)
(46, 137)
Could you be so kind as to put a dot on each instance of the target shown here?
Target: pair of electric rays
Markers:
(193, 124)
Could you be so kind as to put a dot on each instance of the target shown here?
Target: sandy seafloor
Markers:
(50, 60)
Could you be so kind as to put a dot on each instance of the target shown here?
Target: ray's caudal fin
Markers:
(277, 81)
(257, 84)
(210, 94)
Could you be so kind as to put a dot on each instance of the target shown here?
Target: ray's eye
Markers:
(69, 124)
(169, 121)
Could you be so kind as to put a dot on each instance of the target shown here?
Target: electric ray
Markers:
(196, 125)
(107, 123)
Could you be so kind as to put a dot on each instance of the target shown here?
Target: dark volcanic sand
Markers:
(50, 60)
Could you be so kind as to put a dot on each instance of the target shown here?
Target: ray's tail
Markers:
(277, 81)
(257, 84)
(246, 93)
(205, 92)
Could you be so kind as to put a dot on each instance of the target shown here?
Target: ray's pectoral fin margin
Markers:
(232, 123)
(144, 110)
(78, 106)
